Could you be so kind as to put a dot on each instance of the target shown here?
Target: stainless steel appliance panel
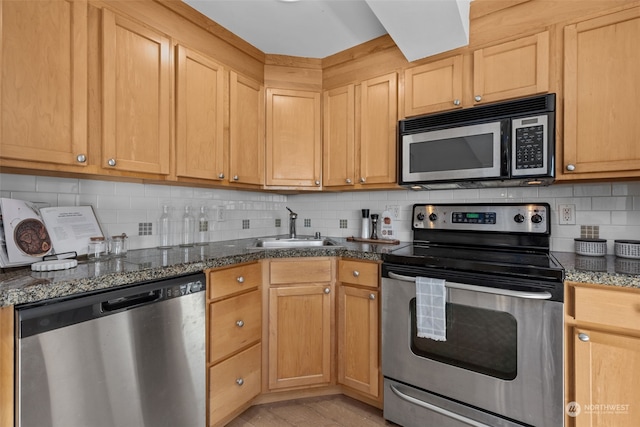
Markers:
(142, 367)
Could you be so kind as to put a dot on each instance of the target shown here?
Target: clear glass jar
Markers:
(164, 228)
(97, 248)
(119, 245)
(188, 227)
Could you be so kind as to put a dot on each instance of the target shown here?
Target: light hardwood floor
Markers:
(326, 411)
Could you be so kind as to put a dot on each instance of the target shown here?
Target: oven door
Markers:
(503, 352)
(460, 153)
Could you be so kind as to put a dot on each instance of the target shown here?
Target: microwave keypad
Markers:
(530, 147)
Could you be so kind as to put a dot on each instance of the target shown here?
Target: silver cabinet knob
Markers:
(356, 273)
(236, 177)
(317, 182)
(363, 179)
(327, 290)
(478, 98)
(372, 296)
(571, 167)
(348, 180)
(81, 158)
(583, 337)
(239, 323)
(240, 381)
(111, 162)
(221, 175)
(240, 279)
(456, 102)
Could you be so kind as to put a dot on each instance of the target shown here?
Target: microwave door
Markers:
(461, 153)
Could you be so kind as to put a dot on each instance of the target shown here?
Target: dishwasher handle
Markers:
(125, 303)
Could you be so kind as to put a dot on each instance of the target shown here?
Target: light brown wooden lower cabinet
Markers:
(603, 356)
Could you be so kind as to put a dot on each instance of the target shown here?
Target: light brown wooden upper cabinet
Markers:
(43, 87)
(200, 84)
(294, 145)
(136, 97)
(246, 139)
(360, 123)
(601, 97)
(436, 86)
(507, 70)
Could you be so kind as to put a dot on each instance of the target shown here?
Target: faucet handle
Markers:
(292, 213)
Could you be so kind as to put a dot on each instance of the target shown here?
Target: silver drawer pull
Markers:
(239, 323)
(583, 337)
(356, 273)
(239, 381)
(240, 279)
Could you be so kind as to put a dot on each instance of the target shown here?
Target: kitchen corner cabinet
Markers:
(359, 326)
(293, 142)
(246, 139)
(507, 70)
(234, 330)
(603, 350)
(601, 92)
(200, 97)
(136, 98)
(301, 304)
(43, 83)
(360, 134)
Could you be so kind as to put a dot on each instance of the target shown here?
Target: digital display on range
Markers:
(473, 217)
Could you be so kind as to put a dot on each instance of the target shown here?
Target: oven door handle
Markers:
(488, 290)
(437, 409)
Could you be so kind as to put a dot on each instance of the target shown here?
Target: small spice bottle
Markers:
(97, 247)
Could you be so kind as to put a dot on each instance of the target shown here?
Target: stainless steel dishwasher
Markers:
(132, 357)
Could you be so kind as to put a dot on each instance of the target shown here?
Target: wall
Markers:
(614, 207)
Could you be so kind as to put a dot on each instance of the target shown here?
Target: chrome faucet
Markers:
(292, 223)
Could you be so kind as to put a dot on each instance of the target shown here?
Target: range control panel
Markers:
(506, 218)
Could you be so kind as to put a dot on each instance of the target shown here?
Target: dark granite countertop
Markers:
(604, 270)
(21, 285)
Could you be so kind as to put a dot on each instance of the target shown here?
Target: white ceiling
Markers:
(320, 28)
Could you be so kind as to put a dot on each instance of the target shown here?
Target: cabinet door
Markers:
(293, 153)
(339, 132)
(246, 139)
(136, 96)
(607, 368)
(601, 92)
(199, 116)
(358, 347)
(513, 69)
(299, 336)
(377, 144)
(432, 87)
(43, 84)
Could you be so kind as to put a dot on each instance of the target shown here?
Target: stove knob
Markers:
(420, 216)
(433, 217)
(536, 219)
(519, 218)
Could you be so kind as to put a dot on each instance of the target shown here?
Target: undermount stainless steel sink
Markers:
(285, 242)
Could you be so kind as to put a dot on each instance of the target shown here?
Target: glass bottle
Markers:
(188, 227)
(164, 228)
(202, 227)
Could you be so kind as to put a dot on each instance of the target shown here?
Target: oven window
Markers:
(471, 152)
(478, 339)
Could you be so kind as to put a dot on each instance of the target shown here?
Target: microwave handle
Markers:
(497, 291)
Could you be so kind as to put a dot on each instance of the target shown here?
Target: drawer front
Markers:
(229, 281)
(358, 273)
(300, 271)
(233, 383)
(617, 308)
(234, 323)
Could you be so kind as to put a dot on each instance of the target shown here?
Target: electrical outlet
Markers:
(220, 214)
(567, 214)
(393, 210)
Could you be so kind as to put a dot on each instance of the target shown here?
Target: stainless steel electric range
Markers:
(501, 360)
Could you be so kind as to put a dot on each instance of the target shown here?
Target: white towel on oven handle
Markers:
(431, 320)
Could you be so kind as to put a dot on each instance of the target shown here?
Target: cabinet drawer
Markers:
(233, 383)
(617, 308)
(358, 273)
(300, 271)
(234, 323)
(232, 280)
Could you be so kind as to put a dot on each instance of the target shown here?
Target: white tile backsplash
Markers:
(615, 207)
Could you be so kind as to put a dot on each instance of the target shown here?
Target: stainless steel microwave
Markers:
(504, 144)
